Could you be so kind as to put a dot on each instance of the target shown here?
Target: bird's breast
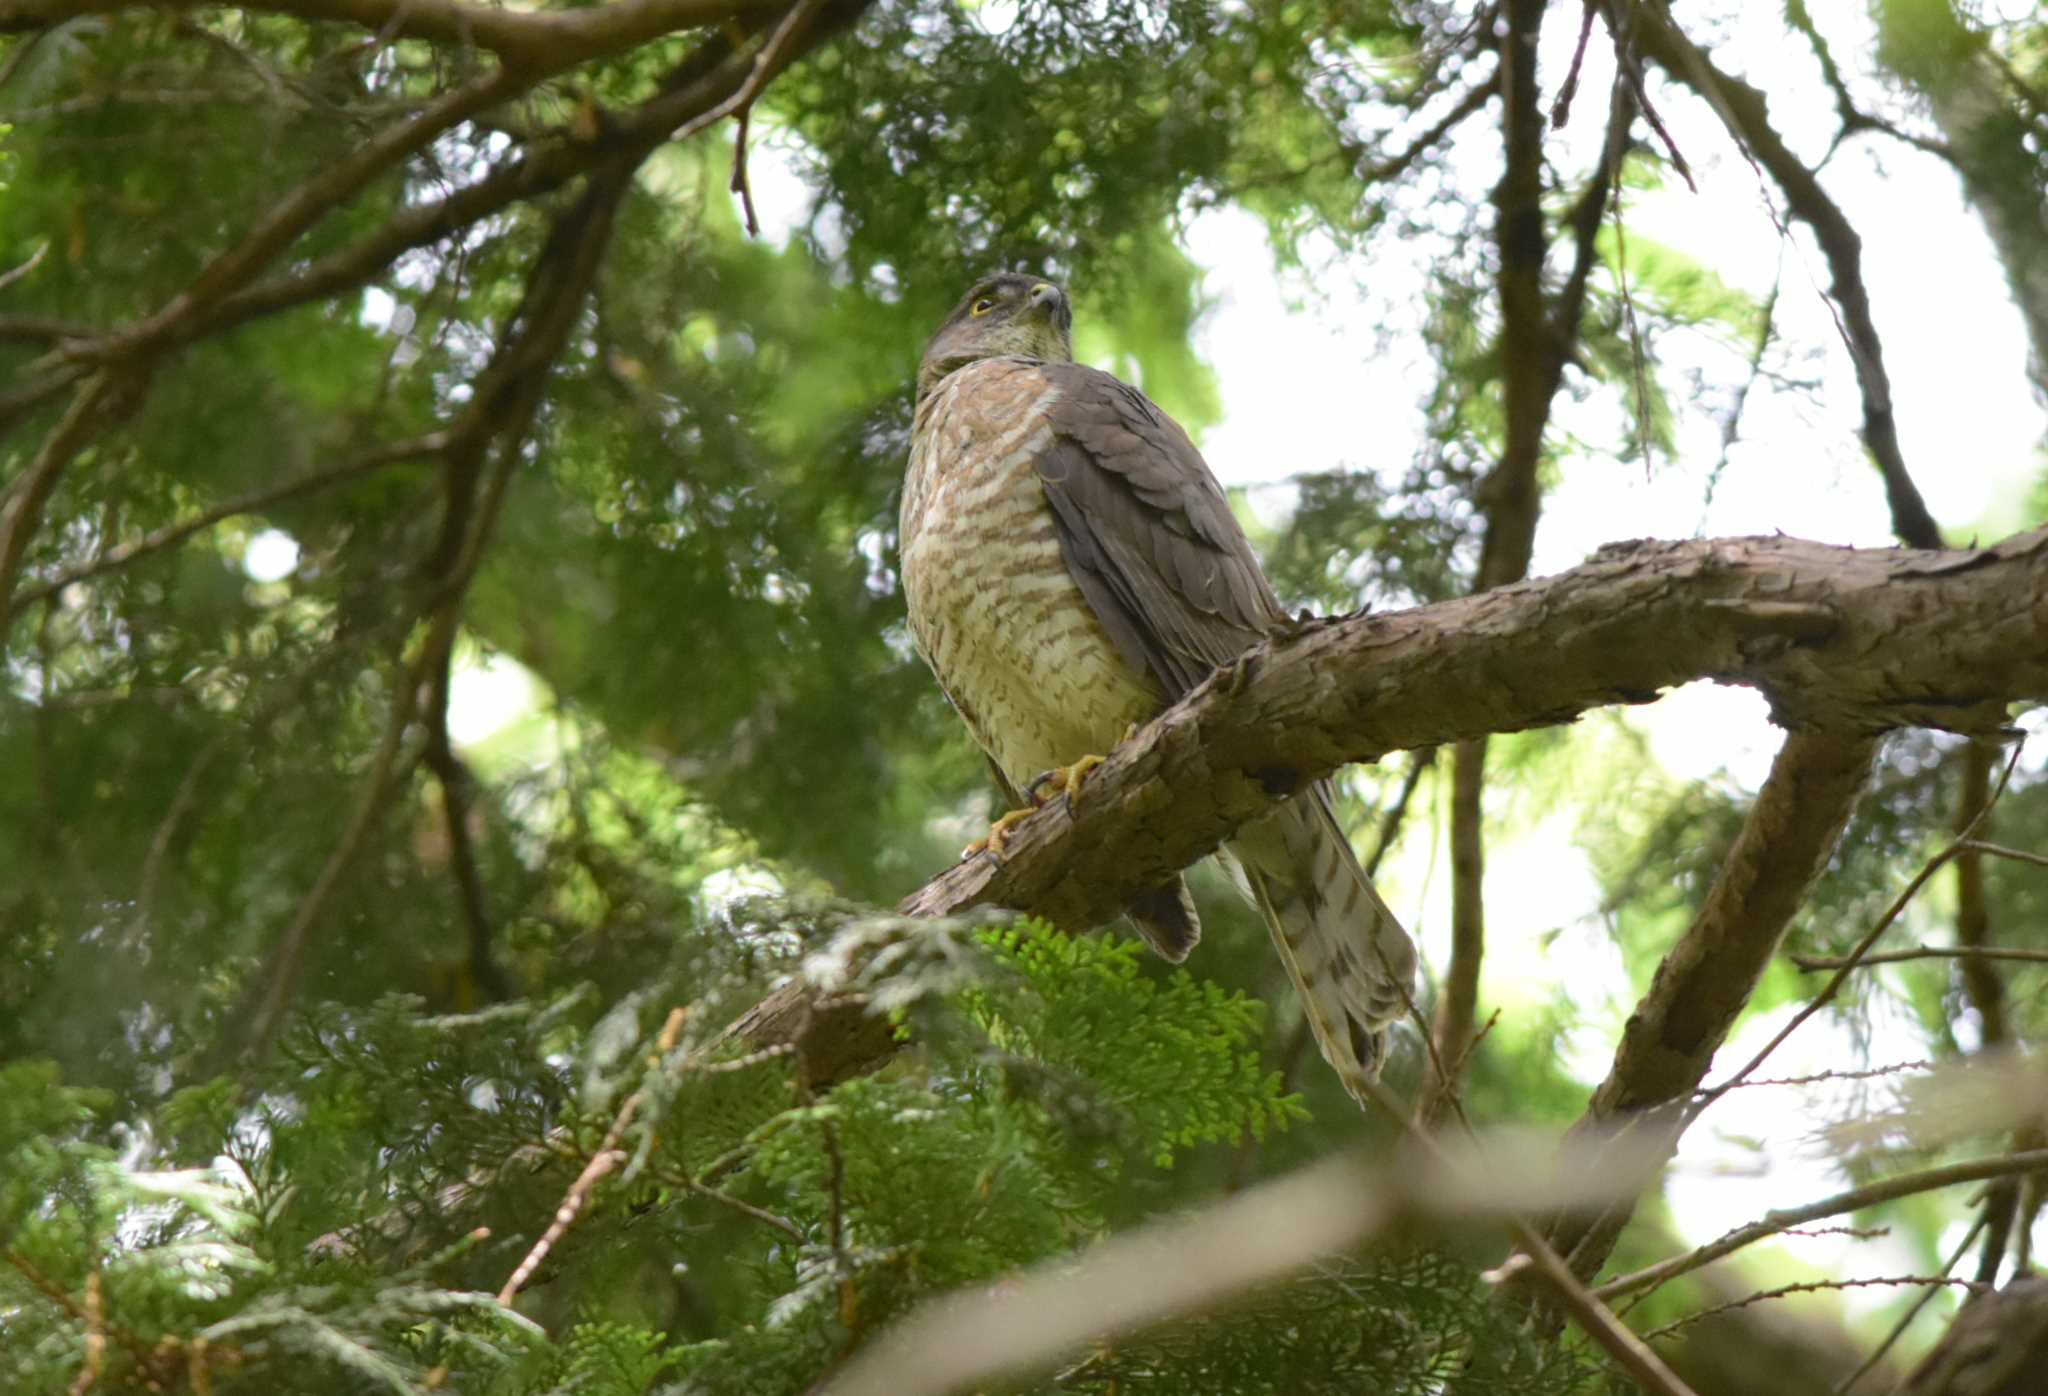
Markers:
(995, 611)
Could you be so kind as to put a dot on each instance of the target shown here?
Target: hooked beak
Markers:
(1051, 301)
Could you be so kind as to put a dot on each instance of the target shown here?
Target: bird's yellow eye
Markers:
(982, 306)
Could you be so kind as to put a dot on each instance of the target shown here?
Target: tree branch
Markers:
(537, 40)
(98, 402)
(1706, 979)
(1965, 953)
(1862, 640)
(1858, 640)
(1855, 1199)
(170, 535)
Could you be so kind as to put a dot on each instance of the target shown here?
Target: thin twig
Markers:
(1877, 1353)
(740, 185)
(170, 535)
(35, 259)
(2016, 854)
(1855, 1199)
(1869, 1073)
(747, 1209)
(1621, 25)
(1806, 1287)
(607, 1156)
(1811, 963)
(1399, 162)
(1561, 109)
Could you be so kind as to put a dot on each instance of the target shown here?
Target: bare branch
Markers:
(1965, 953)
(1392, 166)
(99, 401)
(1170, 1268)
(170, 535)
(1855, 1199)
(533, 40)
(2020, 855)
(1933, 1282)
(1862, 947)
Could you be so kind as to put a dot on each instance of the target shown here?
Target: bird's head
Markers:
(1007, 313)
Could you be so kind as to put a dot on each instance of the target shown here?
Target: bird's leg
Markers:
(999, 832)
(1066, 780)
(1060, 780)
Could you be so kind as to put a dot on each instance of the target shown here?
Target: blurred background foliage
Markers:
(685, 616)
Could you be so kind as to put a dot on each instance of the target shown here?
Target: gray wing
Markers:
(1147, 533)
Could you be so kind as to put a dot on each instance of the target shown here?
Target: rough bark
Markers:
(1850, 641)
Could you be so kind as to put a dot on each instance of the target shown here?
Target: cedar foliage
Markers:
(530, 393)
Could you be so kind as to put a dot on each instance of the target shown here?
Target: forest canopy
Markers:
(480, 895)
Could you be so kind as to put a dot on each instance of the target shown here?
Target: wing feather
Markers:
(1148, 534)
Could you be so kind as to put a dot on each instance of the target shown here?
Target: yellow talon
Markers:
(1060, 780)
(1069, 780)
(998, 833)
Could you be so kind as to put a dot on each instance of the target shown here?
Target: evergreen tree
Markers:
(364, 368)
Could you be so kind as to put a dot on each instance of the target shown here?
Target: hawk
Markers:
(1072, 568)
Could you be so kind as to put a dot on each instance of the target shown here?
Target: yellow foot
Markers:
(998, 833)
(1062, 780)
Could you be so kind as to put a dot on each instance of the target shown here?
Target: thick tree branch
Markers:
(541, 40)
(1853, 640)
(1709, 975)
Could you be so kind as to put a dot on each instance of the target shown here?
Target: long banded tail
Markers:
(1350, 960)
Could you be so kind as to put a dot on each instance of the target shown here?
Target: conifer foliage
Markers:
(459, 738)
